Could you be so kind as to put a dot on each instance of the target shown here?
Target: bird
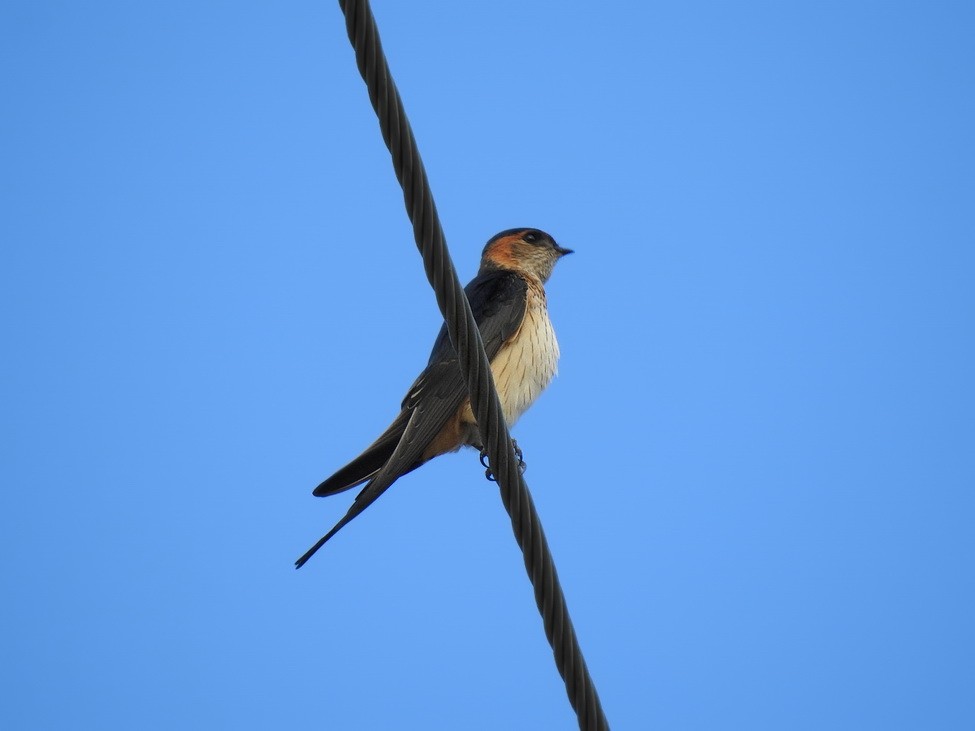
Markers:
(507, 298)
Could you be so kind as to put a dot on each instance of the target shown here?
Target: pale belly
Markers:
(525, 366)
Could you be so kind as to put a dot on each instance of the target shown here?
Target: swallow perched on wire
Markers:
(507, 299)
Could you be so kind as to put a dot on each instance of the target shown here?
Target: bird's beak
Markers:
(563, 251)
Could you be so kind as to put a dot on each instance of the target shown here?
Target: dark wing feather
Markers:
(498, 301)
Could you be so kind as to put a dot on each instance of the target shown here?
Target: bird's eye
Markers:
(531, 237)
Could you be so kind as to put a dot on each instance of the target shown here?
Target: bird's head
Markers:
(525, 250)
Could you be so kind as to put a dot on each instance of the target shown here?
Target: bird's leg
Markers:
(487, 467)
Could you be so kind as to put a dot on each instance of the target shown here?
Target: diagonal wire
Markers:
(466, 339)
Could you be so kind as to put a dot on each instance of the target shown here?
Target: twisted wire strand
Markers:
(466, 339)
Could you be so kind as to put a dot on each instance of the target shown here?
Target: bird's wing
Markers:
(498, 301)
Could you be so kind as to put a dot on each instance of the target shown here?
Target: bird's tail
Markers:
(405, 457)
(376, 487)
(366, 465)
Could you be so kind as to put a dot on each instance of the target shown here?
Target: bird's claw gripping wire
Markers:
(487, 467)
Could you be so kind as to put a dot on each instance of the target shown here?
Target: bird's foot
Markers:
(521, 457)
(489, 474)
(487, 467)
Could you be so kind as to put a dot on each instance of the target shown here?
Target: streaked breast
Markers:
(526, 365)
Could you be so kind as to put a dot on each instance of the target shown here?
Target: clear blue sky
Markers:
(756, 468)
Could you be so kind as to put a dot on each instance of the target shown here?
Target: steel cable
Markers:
(466, 339)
